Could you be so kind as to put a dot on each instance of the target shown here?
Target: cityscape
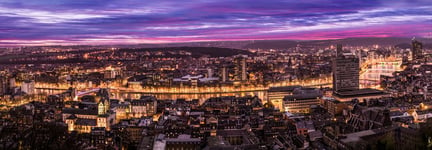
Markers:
(215, 75)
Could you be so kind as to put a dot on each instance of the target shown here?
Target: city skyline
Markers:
(215, 74)
(133, 22)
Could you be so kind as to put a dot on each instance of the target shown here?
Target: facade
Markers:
(333, 106)
(301, 102)
(345, 71)
(28, 87)
(145, 106)
(275, 95)
(98, 137)
(209, 72)
(83, 120)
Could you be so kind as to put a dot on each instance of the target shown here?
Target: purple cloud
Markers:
(125, 21)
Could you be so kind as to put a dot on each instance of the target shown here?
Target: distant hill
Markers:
(408, 45)
(267, 44)
(286, 44)
(222, 44)
(403, 45)
(196, 51)
(271, 44)
(28, 58)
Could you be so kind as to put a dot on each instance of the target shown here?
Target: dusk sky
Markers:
(46, 22)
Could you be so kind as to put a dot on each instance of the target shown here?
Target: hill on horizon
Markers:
(269, 44)
(196, 51)
(285, 44)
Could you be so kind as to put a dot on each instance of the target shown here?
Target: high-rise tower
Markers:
(224, 74)
(346, 70)
(417, 50)
(240, 69)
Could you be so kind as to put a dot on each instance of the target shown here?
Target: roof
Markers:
(72, 117)
(356, 136)
(314, 135)
(331, 99)
(305, 125)
(359, 92)
(98, 129)
(305, 96)
(80, 111)
(144, 97)
(217, 141)
(283, 88)
(183, 138)
(137, 78)
(228, 133)
(87, 122)
(396, 113)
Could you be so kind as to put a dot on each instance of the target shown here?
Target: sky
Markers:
(54, 22)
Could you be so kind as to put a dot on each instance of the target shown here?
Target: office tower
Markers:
(209, 72)
(290, 62)
(240, 69)
(417, 52)
(345, 71)
(405, 59)
(339, 50)
(12, 83)
(224, 74)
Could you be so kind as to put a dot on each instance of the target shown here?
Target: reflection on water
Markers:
(371, 76)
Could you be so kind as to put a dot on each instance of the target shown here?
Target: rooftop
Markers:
(283, 88)
(304, 96)
(87, 122)
(359, 92)
(356, 136)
